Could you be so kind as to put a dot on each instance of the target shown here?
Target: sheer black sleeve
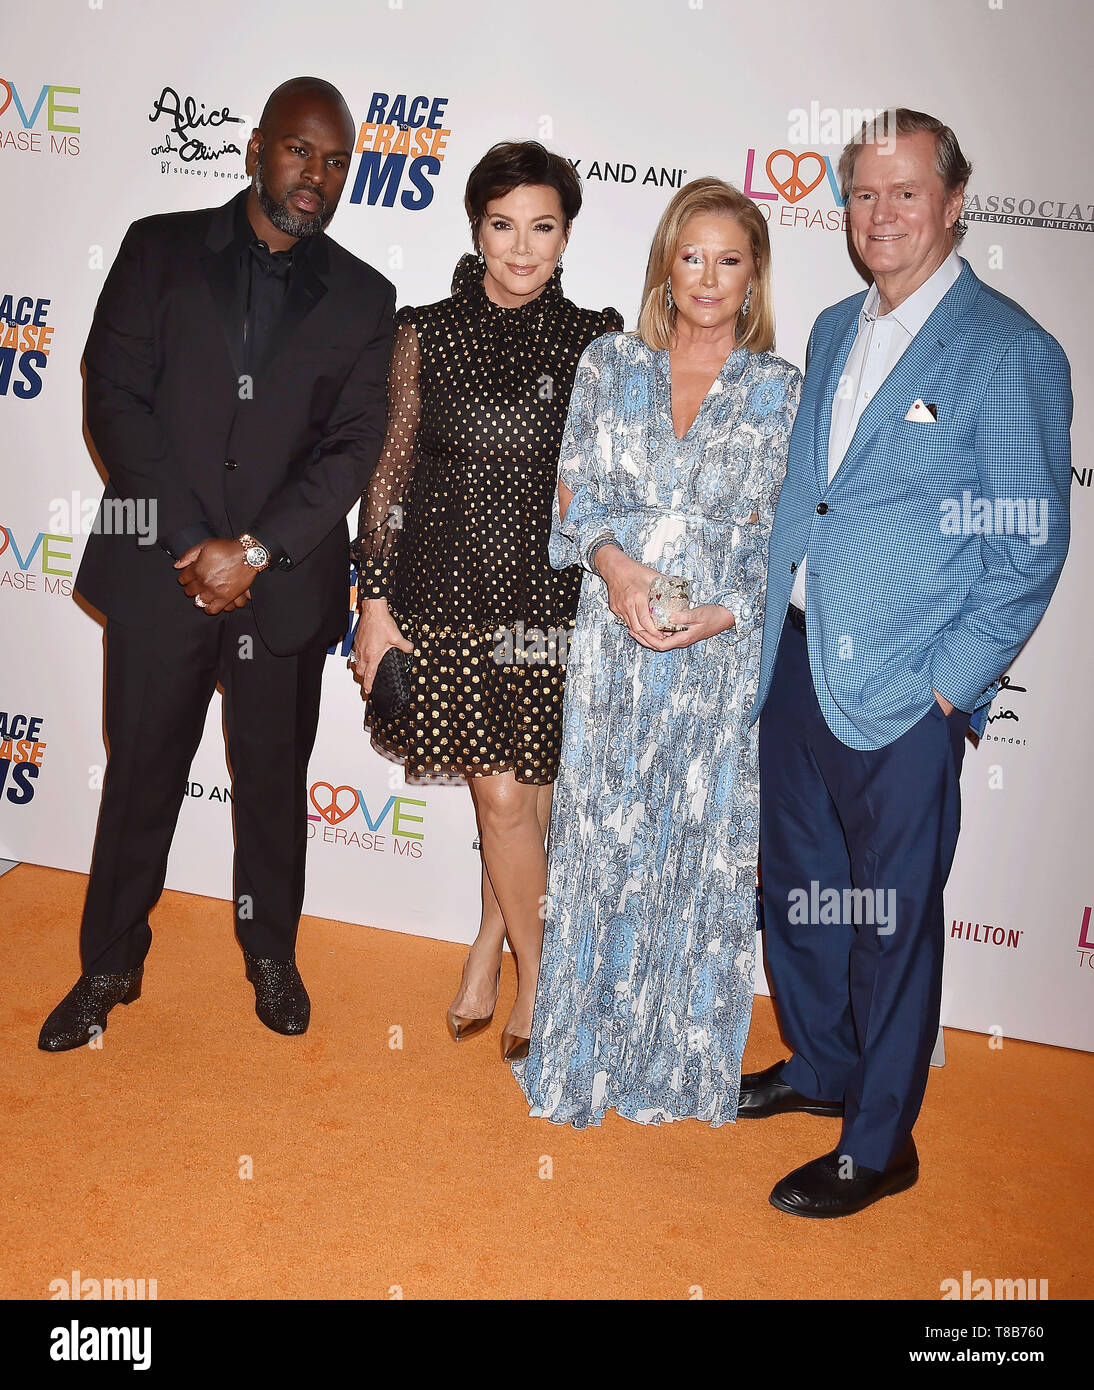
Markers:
(380, 518)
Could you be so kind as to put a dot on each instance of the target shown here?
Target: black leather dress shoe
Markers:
(835, 1186)
(85, 1007)
(281, 1001)
(763, 1094)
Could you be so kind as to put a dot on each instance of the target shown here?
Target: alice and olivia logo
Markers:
(38, 123)
(21, 754)
(191, 135)
(1005, 715)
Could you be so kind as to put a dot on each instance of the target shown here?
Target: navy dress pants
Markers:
(855, 850)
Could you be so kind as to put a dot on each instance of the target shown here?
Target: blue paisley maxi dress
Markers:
(646, 981)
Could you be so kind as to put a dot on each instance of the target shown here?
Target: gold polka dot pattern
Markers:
(453, 528)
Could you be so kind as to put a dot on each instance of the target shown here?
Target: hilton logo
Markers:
(988, 935)
(1085, 947)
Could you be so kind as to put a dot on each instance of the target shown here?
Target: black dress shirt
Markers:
(263, 279)
(263, 284)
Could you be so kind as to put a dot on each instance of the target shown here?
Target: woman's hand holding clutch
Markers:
(629, 593)
(706, 620)
(376, 633)
(629, 599)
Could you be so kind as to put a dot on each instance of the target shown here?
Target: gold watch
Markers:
(255, 553)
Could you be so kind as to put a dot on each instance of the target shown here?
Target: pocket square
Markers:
(925, 414)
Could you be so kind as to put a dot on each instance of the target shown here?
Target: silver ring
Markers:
(199, 602)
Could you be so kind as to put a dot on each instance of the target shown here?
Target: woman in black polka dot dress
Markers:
(452, 547)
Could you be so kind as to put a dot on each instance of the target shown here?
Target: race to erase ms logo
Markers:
(25, 342)
(21, 754)
(38, 120)
(401, 148)
(344, 817)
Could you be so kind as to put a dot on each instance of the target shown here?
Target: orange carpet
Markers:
(414, 1170)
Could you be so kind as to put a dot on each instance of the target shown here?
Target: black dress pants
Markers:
(159, 682)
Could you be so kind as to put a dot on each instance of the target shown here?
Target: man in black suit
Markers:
(236, 379)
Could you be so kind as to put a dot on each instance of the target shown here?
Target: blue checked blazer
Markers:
(896, 606)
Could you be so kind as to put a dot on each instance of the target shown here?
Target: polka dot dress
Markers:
(453, 529)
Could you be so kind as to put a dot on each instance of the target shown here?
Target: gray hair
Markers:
(953, 168)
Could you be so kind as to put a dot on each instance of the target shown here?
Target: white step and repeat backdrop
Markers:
(114, 109)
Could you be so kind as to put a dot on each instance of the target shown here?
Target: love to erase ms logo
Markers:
(780, 182)
(401, 144)
(41, 121)
(35, 561)
(1085, 947)
(21, 754)
(337, 821)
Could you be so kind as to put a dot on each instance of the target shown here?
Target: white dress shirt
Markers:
(879, 341)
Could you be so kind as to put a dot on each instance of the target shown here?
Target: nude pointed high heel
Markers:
(514, 1047)
(462, 1027)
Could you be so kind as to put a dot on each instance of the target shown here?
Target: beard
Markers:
(293, 224)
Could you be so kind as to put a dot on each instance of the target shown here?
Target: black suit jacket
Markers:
(283, 456)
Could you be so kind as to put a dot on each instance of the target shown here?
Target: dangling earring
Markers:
(558, 266)
(669, 301)
(748, 300)
(482, 260)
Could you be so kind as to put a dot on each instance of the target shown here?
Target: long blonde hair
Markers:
(657, 322)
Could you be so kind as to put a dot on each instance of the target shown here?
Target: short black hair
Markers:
(519, 164)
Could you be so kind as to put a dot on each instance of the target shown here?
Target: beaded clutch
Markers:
(391, 686)
(668, 595)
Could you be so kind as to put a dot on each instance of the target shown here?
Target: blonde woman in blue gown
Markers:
(672, 458)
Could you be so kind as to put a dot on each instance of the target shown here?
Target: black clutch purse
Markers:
(391, 686)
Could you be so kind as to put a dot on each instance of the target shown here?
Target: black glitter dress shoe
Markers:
(281, 1001)
(763, 1094)
(835, 1186)
(85, 1007)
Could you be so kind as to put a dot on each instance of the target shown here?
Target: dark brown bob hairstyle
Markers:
(519, 164)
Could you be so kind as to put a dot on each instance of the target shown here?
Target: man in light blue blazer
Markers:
(917, 541)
